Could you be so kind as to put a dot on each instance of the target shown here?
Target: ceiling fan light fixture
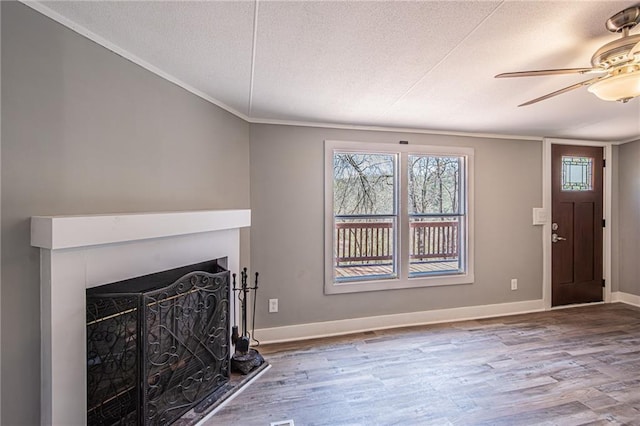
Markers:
(621, 87)
(619, 59)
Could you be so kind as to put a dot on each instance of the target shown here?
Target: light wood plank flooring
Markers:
(565, 367)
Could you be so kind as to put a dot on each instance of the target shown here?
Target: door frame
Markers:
(546, 205)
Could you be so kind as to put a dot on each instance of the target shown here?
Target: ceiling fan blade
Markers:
(634, 51)
(564, 90)
(549, 72)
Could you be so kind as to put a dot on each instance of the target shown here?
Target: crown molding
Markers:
(622, 142)
(41, 8)
(392, 129)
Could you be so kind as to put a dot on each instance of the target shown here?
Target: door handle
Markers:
(555, 238)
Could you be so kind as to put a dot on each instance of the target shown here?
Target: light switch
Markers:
(540, 216)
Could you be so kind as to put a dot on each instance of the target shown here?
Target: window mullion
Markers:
(403, 219)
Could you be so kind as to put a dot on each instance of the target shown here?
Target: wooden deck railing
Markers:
(434, 240)
(373, 241)
(359, 241)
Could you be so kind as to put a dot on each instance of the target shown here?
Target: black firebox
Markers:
(157, 345)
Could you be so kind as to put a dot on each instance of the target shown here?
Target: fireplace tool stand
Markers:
(244, 358)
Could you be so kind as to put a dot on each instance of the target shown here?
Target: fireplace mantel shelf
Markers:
(63, 232)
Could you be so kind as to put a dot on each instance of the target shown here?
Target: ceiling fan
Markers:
(618, 62)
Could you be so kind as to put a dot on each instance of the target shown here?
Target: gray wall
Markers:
(85, 131)
(629, 215)
(287, 205)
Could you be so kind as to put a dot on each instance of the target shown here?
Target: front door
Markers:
(577, 221)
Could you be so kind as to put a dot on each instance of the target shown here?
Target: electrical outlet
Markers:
(514, 283)
(273, 305)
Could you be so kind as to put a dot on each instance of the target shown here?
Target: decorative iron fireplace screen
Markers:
(156, 345)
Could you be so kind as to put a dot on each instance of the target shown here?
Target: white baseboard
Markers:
(575, 305)
(355, 325)
(628, 298)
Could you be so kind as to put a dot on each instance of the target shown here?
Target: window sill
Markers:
(396, 284)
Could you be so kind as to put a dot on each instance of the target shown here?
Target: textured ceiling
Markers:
(422, 65)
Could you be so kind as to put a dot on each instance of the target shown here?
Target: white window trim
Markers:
(403, 280)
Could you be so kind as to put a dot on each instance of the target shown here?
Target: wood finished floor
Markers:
(578, 366)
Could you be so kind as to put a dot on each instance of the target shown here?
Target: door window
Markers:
(577, 173)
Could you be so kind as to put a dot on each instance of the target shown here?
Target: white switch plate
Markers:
(514, 283)
(540, 216)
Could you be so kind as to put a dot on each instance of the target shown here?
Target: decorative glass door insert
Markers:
(577, 173)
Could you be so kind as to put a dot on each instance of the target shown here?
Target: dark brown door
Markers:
(576, 180)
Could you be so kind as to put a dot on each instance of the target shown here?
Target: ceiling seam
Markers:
(413, 86)
(254, 42)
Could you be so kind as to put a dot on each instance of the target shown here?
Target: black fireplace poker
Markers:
(244, 358)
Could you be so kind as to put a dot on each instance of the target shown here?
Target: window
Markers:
(397, 216)
(365, 215)
(577, 173)
(436, 215)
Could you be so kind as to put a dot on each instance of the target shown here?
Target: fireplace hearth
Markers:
(157, 345)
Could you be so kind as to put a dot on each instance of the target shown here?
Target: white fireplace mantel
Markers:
(80, 252)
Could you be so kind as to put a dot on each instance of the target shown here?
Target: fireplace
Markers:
(157, 345)
(83, 252)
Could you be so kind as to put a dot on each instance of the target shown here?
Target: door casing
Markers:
(546, 204)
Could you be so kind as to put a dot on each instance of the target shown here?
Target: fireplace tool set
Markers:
(244, 358)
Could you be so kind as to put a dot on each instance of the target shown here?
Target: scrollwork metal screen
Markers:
(153, 355)
(112, 360)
